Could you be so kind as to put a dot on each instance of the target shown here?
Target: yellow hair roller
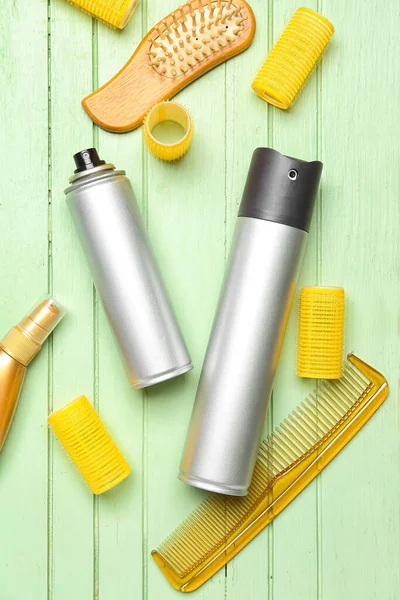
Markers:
(89, 445)
(293, 58)
(113, 12)
(162, 113)
(321, 332)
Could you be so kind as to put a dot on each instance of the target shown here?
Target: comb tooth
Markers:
(358, 383)
(275, 462)
(338, 414)
(315, 424)
(286, 426)
(174, 72)
(296, 434)
(221, 43)
(188, 51)
(206, 40)
(174, 552)
(364, 381)
(193, 534)
(202, 28)
(270, 468)
(197, 46)
(351, 385)
(236, 30)
(175, 48)
(340, 406)
(278, 448)
(151, 53)
(213, 35)
(276, 456)
(181, 43)
(183, 68)
(339, 385)
(307, 434)
(262, 473)
(320, 413)
(229, 4)
(197, 57)
(324, 407)
(284, 449)
(190, 62)
(213, 46)
(340, 398)
(181, 57)
(282, 437)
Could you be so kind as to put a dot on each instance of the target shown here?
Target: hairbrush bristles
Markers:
(183, 46)
(192, 34)
(297, 450)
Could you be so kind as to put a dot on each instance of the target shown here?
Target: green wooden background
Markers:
(340, 539)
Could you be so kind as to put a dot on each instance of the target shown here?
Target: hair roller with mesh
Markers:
(89, 445)
(293, 58)
(321, 332)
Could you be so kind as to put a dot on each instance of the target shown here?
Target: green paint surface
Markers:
(340, 539)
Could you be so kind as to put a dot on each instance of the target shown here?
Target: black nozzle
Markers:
(281, 189)
(87, 159)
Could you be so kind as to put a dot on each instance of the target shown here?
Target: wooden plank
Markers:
(120, 547)
(361, 219)
(186, 213)
(245, 113)
(71, 502)
(23, 274)
(295, 531)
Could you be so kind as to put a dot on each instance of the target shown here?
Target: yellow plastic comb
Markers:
(89, 445)
(293, 58)
(113, 12)
(288, 460)
(321, 332)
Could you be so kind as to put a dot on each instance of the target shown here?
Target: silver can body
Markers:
(238, 372)
(112, 233)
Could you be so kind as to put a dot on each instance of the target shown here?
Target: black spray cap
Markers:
(280, 189)
(87, 159)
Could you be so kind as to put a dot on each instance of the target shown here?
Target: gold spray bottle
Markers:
(17, 349)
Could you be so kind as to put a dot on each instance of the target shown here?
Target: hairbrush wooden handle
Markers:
(179, 49)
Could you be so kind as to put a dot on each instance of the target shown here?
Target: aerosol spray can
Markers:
(110, 227)
(250, 323)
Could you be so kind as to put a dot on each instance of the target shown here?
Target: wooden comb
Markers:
(288, 460)
(186, 44)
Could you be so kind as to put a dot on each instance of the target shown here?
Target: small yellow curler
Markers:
(89, 445)
(293, 58)
(168, 112)
(113, 12)
(321, 332)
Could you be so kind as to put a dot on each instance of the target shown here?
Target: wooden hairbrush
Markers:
(186, 44)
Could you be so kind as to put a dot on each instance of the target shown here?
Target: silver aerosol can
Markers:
(250, 323)
(112, 233)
